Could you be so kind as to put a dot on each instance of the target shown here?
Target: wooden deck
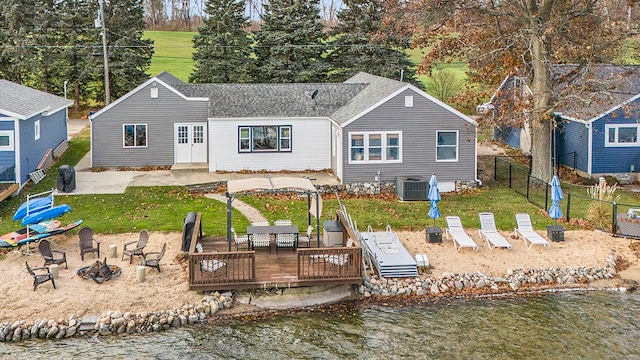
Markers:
(264, 269)
(6, 189)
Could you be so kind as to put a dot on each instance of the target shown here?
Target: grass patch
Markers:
(172, 53)
(163, 208)
(410, 216)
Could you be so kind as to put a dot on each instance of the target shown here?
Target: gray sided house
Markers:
(366, 129)
(595, 137)
(33, 124)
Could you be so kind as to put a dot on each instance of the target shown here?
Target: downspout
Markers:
(589, 148)
(90, 117)
(16, 141)
(476, 160)
(229, 200)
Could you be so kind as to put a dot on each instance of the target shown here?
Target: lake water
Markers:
(594, 325)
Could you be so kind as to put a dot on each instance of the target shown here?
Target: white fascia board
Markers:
(53, 111)
(563, 116)
(14, 115)
(632, 99)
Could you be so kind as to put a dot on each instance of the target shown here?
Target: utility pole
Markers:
(107, 95)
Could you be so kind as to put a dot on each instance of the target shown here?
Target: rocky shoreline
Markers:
(448, 285)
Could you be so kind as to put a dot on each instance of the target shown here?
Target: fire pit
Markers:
(99, 272)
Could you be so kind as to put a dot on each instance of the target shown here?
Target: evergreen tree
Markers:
(222, 47)
(361, 43)
(47, 35)
(290, 44)
(17, 50)
(79, 60)
(129, 54)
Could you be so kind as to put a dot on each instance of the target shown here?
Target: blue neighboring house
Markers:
(33, 124)
(598, 121)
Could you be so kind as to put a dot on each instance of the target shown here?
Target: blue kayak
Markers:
(34, 206)
(47, 214)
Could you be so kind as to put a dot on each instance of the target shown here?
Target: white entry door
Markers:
(191, 143)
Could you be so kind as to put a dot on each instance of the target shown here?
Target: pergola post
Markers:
(318, 218)
(229, 200)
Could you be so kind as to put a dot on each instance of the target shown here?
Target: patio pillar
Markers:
(229, 200)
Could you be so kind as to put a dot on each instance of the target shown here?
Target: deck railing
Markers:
(314, 267)
(330, 263)
(239, 267)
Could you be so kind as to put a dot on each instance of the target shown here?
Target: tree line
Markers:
(56, 46)
(292, 46)
(188, 15)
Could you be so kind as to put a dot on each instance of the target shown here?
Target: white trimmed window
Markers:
(447, 145)
(375, 147)
(621, 135)
(271, 138)
(6, 140)
(134, 135)
(36, 129)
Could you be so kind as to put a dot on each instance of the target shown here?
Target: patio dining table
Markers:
(272, 230)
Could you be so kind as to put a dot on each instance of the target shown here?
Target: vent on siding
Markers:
(412, 188)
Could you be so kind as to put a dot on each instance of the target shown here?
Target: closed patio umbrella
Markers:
(556, 195)
(434, 198)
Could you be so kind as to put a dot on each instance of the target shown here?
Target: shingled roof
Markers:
(24, 102)
(274, 100)
(594, 90)
(377, 89)
(340, 101)
(169, 79)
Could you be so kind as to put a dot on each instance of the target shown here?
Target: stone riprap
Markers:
(116, 322)
(448, 284)
(451, 283)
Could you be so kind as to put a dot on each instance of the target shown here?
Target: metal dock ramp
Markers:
(389, 256)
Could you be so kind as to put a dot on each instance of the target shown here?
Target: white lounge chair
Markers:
(489, 232)
(211, 266)
(525, 230)
(456, 231)
(340, 260)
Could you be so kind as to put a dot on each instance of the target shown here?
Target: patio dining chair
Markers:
(242, 239)
(282, 222)
(306, 239)
(285, 241)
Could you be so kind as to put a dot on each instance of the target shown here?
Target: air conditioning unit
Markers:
(410, 188)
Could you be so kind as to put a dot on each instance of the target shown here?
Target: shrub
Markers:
(600, 209)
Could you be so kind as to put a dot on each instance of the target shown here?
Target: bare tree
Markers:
(155, 13)
(525, 38)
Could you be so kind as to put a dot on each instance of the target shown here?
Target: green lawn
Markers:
(172, 53)
(164, 208)
(459, 68)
